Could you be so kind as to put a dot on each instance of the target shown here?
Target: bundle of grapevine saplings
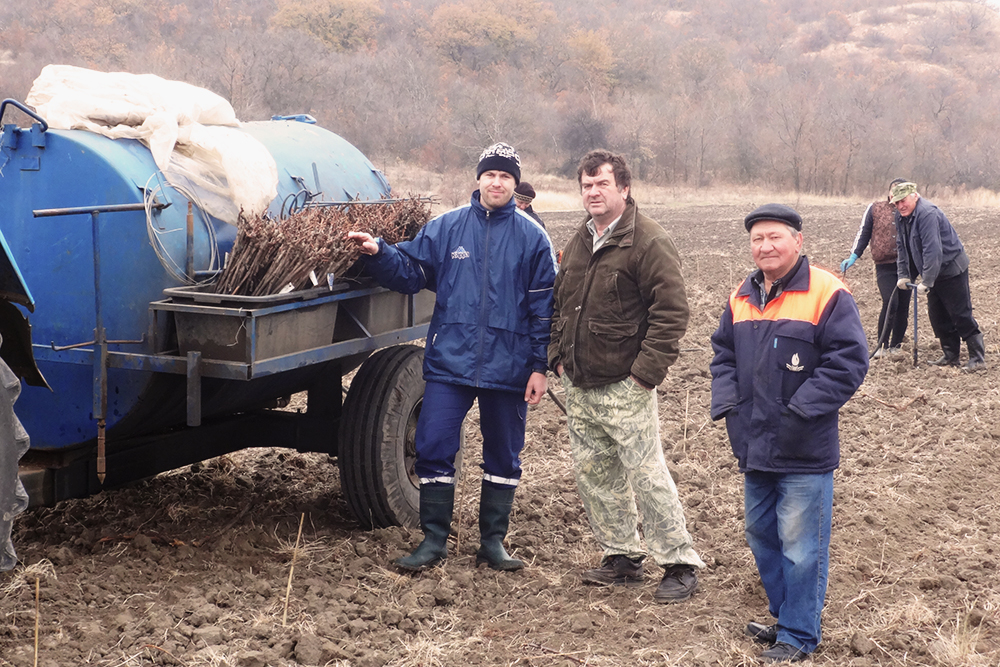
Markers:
(274, 256)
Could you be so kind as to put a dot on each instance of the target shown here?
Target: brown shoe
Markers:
(616, 570)
(679, 583)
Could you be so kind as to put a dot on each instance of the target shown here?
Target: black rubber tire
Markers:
(376, 446)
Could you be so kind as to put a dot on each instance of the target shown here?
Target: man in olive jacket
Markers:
(619, 312)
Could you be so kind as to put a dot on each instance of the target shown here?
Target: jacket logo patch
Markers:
(460, 253)
(794, 365)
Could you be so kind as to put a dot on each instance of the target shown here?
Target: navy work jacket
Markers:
(928, 245)
(781, 373)
(492, 272)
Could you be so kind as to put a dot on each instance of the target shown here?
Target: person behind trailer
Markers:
(14, 442)
(620, 311)
(492, 270)
(929, 247)
(789, 353)
(878, 227)
(524, 194)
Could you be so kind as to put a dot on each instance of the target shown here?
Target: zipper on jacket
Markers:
(482, 299)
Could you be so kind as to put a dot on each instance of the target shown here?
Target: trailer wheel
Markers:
(377, 443)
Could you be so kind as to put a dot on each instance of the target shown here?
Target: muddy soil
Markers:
(192, 567)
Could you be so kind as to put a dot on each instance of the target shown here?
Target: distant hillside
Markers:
(826, 97)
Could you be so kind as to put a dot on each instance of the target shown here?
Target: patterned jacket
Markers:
(621, 310)
(781, 373)
(878, 225)
(493, 273)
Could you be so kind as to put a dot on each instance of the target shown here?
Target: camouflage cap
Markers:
(901, 191)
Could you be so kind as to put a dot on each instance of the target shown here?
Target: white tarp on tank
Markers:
(191, 132)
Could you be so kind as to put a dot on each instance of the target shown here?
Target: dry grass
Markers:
(957, 643)
(25, 576)
(422, 650)
(555, 193)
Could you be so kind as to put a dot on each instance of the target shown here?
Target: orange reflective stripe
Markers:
(799, 306)
(742, 309)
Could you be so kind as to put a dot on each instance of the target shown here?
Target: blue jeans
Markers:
(788, 530)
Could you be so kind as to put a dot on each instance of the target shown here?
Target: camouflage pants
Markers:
(618, 461)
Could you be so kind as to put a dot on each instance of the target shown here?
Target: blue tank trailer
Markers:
(128, 371)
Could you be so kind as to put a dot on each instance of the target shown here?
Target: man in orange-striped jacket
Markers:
(790, 350)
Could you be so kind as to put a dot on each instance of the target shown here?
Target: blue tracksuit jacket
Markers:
(492, 272)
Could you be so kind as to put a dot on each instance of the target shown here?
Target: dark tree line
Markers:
(833, 97)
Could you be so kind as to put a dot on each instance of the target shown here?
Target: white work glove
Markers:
(902, 284)
(922, 289)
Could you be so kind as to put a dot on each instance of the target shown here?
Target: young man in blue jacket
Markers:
(789, 352)
(492, 269)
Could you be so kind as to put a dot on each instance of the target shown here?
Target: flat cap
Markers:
(524, 192)
(775, 212)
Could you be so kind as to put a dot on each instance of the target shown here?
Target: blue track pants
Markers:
(439, 427)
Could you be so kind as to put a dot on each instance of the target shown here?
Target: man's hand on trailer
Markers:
(365, 241)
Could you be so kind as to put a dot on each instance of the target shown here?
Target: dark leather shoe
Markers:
(616, 570)
(762, 634)
(782, 652)
(679, 583)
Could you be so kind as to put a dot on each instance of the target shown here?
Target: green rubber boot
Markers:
(494, 519)
(437, 502)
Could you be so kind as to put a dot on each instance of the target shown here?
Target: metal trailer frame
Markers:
(53, 476)
(194, 394)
